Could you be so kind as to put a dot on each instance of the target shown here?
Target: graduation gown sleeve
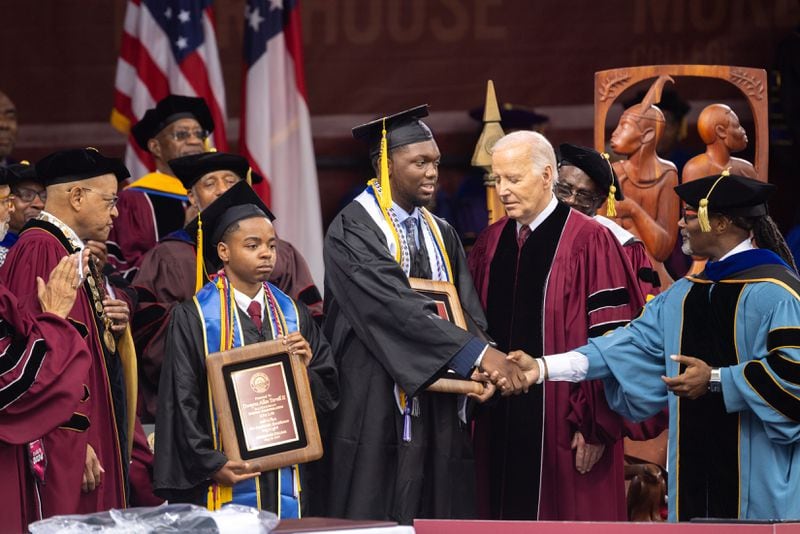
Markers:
(400, 326)
(767, 382)
(43, 361)
(185, 457)
(630, 361)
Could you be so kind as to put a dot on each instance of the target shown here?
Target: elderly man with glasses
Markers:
(156, 204)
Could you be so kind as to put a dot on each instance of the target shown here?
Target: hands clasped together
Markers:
(512, 374)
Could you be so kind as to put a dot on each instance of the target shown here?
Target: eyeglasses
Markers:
(27, 195)
(110, 201)
(8, 200)
(184, 135)
(688, 214)
(564, 192)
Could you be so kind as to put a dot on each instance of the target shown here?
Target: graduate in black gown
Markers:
(189, 465)
(394, 450)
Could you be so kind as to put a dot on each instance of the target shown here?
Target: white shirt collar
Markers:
(243, 301)
(741, 247)
(544, 214)
(61, 225)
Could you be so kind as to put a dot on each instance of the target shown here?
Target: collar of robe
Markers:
(719, 270)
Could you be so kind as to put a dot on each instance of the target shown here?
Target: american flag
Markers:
(168, 47)
(275, 130)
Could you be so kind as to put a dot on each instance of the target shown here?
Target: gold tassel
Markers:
(249, 177)
(611, 207)
(702, 212)
(200, 263)
(385, 199)
(702, 216)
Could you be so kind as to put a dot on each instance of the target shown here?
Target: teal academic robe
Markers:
(732, 454)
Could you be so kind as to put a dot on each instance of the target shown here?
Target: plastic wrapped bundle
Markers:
(166, 518)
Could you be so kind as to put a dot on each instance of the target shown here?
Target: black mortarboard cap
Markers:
(24, 171)
(167, 111)
(728, 194)
(513, 117)
(593, 164)
(7, 176)
(189, 169)
(404, 128)
(77, 164)
(216, 220)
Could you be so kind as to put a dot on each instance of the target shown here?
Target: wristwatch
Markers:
(715, 382)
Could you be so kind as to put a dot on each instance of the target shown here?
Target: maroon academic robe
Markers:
(43, 366)
(166, 278)
(144, 218)
(100, 420)
(581, 274)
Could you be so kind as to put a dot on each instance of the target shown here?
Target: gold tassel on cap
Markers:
(702, 211)
(385, 200)
(199, 277)
(249, 177)
(611, 207)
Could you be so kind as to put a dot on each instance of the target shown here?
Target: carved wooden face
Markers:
(627, 137)
(735, 135)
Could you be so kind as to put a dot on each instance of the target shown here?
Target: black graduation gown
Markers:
(185, 457)
(383, 333)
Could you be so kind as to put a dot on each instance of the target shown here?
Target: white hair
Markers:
(540, 150)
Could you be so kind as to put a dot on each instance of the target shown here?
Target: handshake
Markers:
(512, 374)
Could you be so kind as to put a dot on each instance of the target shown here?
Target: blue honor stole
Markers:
(223, 331)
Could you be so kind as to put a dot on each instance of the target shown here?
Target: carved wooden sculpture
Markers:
(720, 130)
(650, 209)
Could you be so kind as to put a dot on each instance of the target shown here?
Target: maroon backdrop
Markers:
(368, 57)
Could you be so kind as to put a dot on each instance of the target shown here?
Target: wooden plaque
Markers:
(445, 296)
(264, 406)
(448, 306)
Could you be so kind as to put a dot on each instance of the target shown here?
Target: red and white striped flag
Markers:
(168, 47)
(275, 130)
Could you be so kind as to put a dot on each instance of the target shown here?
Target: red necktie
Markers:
(254, 311)
(522, 235)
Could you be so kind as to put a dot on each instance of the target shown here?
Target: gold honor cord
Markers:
(201, 264)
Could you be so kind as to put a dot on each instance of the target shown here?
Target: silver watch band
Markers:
(715, 382)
